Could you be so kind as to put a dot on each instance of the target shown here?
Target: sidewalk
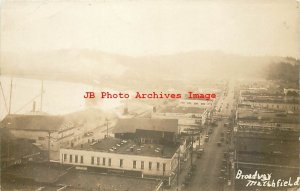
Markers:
(186, 166)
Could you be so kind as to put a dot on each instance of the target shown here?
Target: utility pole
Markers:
(42, 92)
(49, 146)
(106, 127)
(192, 147)
(8, 152)
(10, 95)
(178, 169)
(200, 135)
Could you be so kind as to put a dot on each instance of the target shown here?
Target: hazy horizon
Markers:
(147, 28)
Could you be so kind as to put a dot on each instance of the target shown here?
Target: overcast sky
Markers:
(132, 27)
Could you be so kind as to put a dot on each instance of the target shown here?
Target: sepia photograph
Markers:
(149, 95)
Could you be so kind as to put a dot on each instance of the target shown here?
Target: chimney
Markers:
(154, 109)
(33, 106)
(125, 110)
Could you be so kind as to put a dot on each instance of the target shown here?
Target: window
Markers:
(98, 160)
(65, 157)
(92, 160)
(76, 158)
(81, 159)
(134, 164)
(109, 162)
(157, 166)
(70, 158)
(150, 165)
(142, 164)
(164, 167)
(103, 161)
(121, 162)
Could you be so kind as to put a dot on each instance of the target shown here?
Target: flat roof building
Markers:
(142, 146)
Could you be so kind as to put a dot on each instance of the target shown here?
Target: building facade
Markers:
(147, 165)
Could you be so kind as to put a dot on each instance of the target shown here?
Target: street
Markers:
(209, 165)
(208, 172)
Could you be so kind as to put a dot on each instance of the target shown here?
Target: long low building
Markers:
(124, 155)
(40, 128)
(141, 146)
(188, 117)
(289, 106)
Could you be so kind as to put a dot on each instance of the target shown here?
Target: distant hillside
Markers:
(91, 66)
(284, 71)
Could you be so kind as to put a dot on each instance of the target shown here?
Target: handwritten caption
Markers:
(265, 180)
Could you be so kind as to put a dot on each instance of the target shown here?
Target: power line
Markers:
(10, 95)
(6, 107)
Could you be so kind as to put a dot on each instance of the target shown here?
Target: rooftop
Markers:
(248, 114)
(275, 101)
(39, 172)
(183, 110)
(132, 124)
(260, 93)
(267, 125)
(83, 180)
(76, 180)
(129, 147)
(33, 122)
(276, 158)
(261, 144)
(14, 148)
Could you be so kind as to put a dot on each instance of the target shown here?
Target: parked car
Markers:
(193, 167)
(200, 151)
(206, 139)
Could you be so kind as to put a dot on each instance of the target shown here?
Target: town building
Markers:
(266, 135)
(148, 130)
(16, 150)
(288, 106)
(288, 91)
(269, 100)
(198, 103)
(43, 130)
(141, 147)
(188, 117)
